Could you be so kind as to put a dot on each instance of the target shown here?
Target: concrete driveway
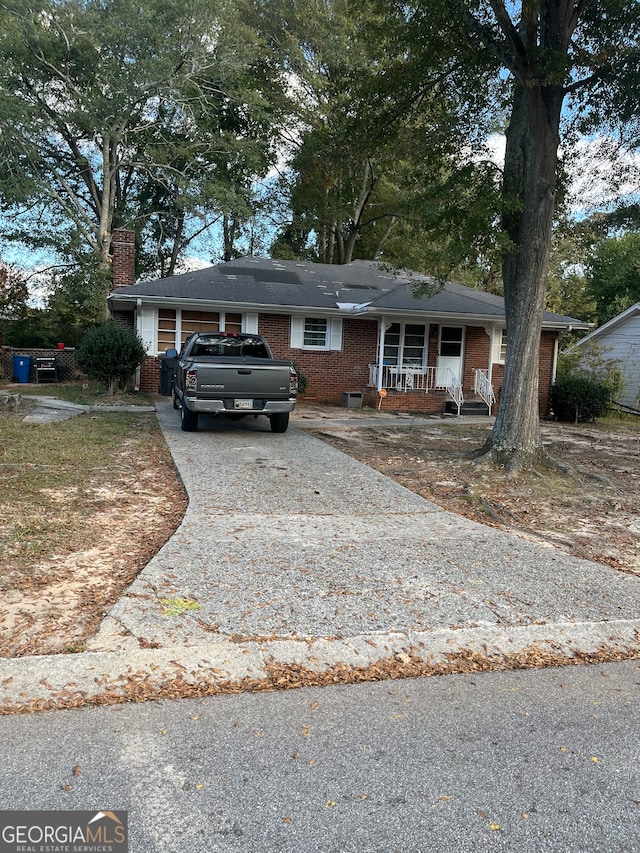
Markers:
(295, 560)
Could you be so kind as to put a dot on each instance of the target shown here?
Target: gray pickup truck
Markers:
(233, 374)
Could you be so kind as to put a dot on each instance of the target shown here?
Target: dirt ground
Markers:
(112, 527)
(595, 513)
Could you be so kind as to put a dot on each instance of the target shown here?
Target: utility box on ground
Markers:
(352, 399)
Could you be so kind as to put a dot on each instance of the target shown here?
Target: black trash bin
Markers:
(168, 363)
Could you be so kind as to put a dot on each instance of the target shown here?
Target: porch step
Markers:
(469, 407)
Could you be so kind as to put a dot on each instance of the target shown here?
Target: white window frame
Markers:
(501, 346)
(333, 335)
(498, 345)
(249, 324)
(401, 362)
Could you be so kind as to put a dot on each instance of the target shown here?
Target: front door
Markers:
(449, 354)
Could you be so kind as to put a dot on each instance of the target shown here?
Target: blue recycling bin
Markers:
(21, 367)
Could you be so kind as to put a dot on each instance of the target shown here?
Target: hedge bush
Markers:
(578, 398)
(110, 354)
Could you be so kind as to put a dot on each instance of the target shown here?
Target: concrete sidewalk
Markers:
(50, 409)
(294, 558)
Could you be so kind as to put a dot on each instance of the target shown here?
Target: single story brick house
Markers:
(353, 331)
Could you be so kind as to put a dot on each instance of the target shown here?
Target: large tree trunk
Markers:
(529, 201)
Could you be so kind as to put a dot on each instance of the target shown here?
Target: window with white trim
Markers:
(405, 345)
(316, 333)
(503, 346)
(175, 325)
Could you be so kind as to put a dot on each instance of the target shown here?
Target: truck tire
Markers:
(188, 419)
(176, 404)
(279, 422)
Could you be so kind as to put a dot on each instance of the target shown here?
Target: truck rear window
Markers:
(230, 347)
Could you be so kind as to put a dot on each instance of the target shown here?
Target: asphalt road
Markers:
(545, 760)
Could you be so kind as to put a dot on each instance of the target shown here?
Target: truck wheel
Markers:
(279, 422)
(176, 404)
(188, 419)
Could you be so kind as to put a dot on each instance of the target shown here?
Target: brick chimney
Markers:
(123, 244)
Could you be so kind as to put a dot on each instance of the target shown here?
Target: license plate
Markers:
(243, 404)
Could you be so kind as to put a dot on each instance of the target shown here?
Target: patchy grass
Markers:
(50, 477)
(85, 503)
(83, 393)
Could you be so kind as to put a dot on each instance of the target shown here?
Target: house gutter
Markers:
(269, 307)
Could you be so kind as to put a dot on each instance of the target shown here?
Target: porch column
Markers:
(383, 331)
(491, 331)
(554, 364)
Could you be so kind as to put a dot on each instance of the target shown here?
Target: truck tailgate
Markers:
(243, 379)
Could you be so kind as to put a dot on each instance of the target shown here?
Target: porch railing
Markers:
(404, 378)
(421, 379)
(454, 388)
(484, 389)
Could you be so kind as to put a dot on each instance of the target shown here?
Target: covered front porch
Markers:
(441, 383)
(441, 362)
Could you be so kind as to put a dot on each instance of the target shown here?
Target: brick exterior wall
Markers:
(547, 350)
(150, 375)
(332, 373)
(545, 375)
(476, 356)
(123, 258)
(399, 401)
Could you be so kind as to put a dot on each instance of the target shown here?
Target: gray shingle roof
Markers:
(255, 282)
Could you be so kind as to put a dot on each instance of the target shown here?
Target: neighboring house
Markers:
(352, 330)
(619, 340)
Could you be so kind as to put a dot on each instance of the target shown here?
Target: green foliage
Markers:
(613, 275)
(374, 174)
(110, 354)
(579, 398)
(129, 113)
(590, 361)
(13, 294)
(587, 383)
(303, 379)
(568, 291)
(77, 298)
(30, 331)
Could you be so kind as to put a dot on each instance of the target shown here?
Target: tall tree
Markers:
(556, 64)
(14, 293)
(572, 243)
(613, 275)
(370, 170)
(127, 113)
